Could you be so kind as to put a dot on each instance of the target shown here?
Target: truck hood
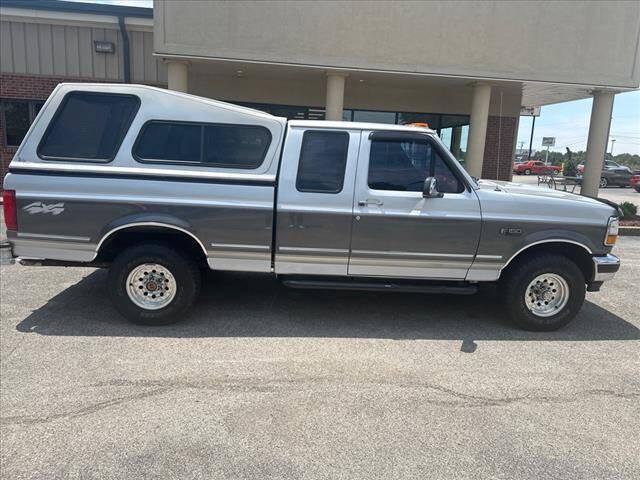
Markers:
(519, 189)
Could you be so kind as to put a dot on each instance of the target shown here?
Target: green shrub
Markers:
(628, 209)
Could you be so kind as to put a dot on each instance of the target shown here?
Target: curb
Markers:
(629, 231)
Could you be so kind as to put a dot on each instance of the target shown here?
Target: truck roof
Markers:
(357, 125)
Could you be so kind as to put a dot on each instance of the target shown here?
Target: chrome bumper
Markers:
(605, 267)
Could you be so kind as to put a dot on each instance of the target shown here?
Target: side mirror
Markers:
(430, 189)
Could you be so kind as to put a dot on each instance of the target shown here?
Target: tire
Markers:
(604, 183)
(527, 172)
(133, 280)
(521, 294)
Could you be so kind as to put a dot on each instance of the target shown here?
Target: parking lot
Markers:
(266, 382)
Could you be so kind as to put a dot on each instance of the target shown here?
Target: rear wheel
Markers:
(603, 183)
(152, 284)
(543, 293)
(527, 172)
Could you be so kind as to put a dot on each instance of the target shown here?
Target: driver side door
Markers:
(398, 233)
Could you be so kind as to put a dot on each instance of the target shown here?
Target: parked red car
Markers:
(535, 167)
(635, 183)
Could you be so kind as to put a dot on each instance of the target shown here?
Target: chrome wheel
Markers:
(547, 295)
(151, 286)
(603, 182)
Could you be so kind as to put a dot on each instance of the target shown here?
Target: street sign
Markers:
(529, 111)
(548, 141)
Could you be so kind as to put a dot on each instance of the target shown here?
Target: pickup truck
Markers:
(158, 185)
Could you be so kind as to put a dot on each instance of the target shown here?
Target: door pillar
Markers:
(456, 138)
(478, 128)
(597, 141)
(335, 96)
(177, 75)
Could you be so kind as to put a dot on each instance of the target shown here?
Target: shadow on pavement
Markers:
(248, 305)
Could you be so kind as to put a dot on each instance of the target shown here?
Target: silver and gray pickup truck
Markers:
(157, 185)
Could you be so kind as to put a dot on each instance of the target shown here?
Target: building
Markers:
(43, 43)
(466, 68)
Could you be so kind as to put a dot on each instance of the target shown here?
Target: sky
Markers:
(568, 122)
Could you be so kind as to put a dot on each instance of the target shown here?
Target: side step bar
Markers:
(399, 285)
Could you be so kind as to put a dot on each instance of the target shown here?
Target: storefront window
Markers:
(17, 117)
(374, 117)
(452, 129)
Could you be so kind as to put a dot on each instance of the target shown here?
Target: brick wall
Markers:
(24, 87)
(501, 137)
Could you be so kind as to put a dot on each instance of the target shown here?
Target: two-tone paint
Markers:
(256, 219)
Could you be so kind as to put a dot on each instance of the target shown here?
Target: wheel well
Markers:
(176, 239)
(577, 254)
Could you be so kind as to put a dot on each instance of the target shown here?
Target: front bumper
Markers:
(605, 267)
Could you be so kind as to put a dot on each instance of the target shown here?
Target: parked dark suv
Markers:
(611, 177)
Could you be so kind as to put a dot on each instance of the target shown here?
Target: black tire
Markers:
(604, 183)
(184, 270)
(527, 172)
(515, 288)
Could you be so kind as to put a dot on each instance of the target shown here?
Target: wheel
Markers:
(603, 183)
(152, 284)
(527, 172)
(543, 293)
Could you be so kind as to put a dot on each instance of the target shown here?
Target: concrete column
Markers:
(177, 75)
(456, 137)
(597, 141)
(478, 128)
(335, 96)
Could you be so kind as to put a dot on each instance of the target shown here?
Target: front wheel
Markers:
(603, 183)
(151, 284)
(527, 172)
(544, 293)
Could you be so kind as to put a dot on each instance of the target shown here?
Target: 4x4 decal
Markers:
(41, 207)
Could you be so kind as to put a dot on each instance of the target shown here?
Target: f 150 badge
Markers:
(41, 207)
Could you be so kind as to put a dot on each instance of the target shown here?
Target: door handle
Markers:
(370, 201)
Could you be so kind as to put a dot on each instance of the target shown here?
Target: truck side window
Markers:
(323, 158)
(177, 142)
(202, 144)
(403, 165)
(88, 126)
(237, 146)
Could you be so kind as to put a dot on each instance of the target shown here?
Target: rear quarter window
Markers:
(88, 126)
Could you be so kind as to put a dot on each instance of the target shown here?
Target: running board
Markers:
(399, 285)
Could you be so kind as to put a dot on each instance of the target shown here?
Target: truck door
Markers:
(315, 201)
(397, 232)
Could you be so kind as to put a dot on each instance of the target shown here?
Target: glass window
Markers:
(403, 165)
(16, 121)
(232, 146)
(89, 126)
(454, 120)
(374, 117)
(173, 142)
(235, 146)
(323, 158)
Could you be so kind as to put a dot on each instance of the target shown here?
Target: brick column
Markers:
(499, 148)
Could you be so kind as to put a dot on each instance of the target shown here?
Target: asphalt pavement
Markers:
(264, 382)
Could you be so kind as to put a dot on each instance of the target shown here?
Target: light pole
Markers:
(613, 140)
